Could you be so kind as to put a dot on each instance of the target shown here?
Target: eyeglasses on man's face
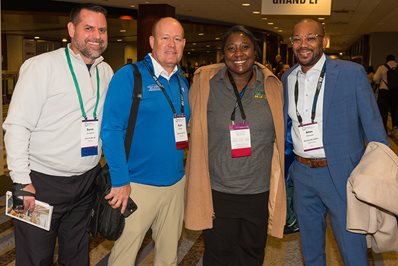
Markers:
(311, 39)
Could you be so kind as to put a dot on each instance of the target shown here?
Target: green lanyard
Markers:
(78, 89)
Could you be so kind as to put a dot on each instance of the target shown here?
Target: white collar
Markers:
(159, 70)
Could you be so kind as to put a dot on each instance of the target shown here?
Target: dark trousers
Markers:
(72, 198)
(239, 232)
(388, 102)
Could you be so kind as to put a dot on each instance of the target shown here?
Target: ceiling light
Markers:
(217, 38)
(321, 18)
(280, 30)
(256, 12)
(37, 37)
(64, 40)
(126, 17)
(192, 49)
(132, 6)
(189, 53)
(194, 43)
(340, 53)
(245, 4)
(270, 23)
(264, 18)
(201, 34)
(208, 45)
(123, 30)
(119, 40)
(276, 28)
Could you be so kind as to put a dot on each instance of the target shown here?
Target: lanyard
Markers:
(78, 88)
(165, 93)
(238, 96)
(314, 102)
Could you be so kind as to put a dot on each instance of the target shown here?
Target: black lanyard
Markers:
(314, 102)
(165, 93)
(238, 96)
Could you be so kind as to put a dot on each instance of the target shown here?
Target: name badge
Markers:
(89, 137)
(180, 132)
(310, 137)
(240, 140)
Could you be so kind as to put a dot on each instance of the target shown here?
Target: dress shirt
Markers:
(307, 87)
(160, 71)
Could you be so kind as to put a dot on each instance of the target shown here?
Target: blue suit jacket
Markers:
(351, 118)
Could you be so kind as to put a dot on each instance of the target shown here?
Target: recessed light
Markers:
(208, 45)
(276, 28)
(321, 18)
(245, 4)
(264, 18)
(126, 17)
(119, 40)
(123, 30)
(270, 23)
(280, 30)
(201, 34)
(194, 43)
(217, 38)
(132, 6)
(64, 40)
(256, 12)
(192, 49)
(37, 37)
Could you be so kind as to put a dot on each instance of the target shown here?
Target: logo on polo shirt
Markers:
(259, 95)
(153, 87)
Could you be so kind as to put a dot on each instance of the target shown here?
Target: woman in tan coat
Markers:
(235, 166)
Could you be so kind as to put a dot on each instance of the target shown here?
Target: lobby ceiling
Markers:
(349, 20)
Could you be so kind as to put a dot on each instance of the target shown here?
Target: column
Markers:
(147, 15)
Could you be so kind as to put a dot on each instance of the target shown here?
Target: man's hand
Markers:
(119, 197)
(29, 201)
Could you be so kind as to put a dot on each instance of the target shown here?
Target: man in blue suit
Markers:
(330, 114)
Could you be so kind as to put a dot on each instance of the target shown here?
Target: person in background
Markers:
(330, 115)
(154, 174)
(387, 100)
(52, 154)
(370, 73)
(278, 65)
(235, 163)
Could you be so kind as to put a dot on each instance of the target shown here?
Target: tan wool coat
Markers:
(199, 211)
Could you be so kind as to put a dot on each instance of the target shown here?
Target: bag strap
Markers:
(137, 95)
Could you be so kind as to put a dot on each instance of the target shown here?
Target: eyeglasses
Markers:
(297, 40)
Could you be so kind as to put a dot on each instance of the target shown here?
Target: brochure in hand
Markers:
(40, 217)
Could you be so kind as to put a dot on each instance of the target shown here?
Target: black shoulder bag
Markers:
(105, 220)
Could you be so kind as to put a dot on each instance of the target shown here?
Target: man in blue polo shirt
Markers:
(154, 173)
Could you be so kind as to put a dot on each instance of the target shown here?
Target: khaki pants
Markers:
(162, 210)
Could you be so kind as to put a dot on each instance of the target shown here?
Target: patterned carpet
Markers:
(278, 252)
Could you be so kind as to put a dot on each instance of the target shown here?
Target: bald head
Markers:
(318, 26)
(167, 21)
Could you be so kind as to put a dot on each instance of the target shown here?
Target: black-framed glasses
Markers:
(311, 38)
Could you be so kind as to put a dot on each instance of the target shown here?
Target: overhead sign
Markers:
(296, 7)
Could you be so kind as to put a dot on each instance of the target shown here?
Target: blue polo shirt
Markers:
(154, 159)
